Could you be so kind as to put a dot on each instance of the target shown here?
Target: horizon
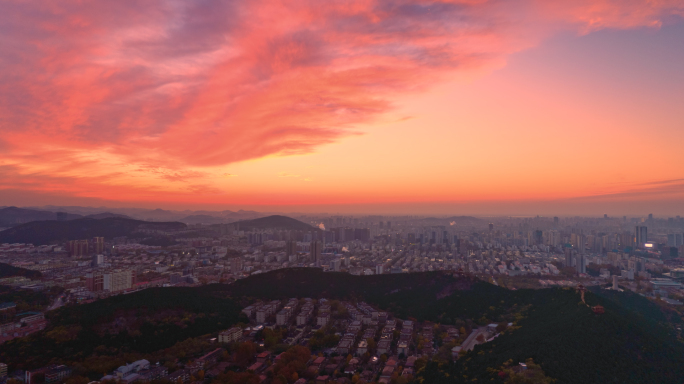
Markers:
(267, 212)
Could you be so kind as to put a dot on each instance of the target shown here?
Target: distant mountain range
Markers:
(52, 231)
(11, 216)
(186, 216)
(110, 225)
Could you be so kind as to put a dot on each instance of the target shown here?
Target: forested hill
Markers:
(626, 344)
(47, 232)
(7, 270)
(139, 322)
(275, 222)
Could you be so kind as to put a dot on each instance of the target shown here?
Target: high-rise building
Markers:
(235, 265)
(555, 221)
(491, 227)
(379, 269)
(118, 280)
(568, 257)
(335, 265)
(362, 234)
(674, 240)
(3, 370)
(315, 252)
(77, 248)
(578, 241)
(94, 281)
(291, 247)
(641, 236)
(581, 263)
(97, 260)
(98, 245)
(349, 234)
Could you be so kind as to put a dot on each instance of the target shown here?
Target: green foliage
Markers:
(292, 364)
(552, 326)
(7, 270)
(595, 269)
(575, 345)
(323, 338)
(144, 321)
(626, 344)
(27, 300)
(533, 374)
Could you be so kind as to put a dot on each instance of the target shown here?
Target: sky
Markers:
(357, 106)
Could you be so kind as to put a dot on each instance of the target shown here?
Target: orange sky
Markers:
(409, 106)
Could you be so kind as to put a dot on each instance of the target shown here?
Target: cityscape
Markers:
(346, 340)
(341, 192)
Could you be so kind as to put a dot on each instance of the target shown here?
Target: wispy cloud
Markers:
(650, 190)
(287, 174)
(207, 83)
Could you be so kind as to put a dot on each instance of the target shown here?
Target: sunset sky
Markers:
(405, 106)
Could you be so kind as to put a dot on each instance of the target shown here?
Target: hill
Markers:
(7, 270)
(626, 344)
(552, 326)
(47, 232)
(12, 216)
(574, 345)
(142, 322)
(203, 219)
(275, 222)
(107, 215)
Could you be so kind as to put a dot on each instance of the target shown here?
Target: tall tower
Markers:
(316, 252)
(568, 257)
(641, 236)
(291, 247)
(581, 263)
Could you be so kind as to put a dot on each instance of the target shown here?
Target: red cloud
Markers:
(204, 83)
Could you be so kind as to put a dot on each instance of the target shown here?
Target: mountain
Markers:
(11, 216)
(225, 216)
(204, 219)
(275, 222)
(106, 215)
(50, 232)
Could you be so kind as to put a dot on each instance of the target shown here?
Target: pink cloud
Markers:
(206, 83)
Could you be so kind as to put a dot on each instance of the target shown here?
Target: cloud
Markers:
(154, 90)
(661, 189)
(286, 174)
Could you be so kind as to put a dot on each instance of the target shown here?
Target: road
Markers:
(57, 303)
(471, 341)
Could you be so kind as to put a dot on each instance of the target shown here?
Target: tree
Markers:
(244, 354)
(77, 380)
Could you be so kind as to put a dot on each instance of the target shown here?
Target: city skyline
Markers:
(408, 107)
